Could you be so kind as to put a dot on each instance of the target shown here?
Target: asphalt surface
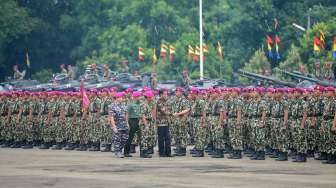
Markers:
(47, 168)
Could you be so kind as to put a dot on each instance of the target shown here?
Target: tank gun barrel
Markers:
(314, 80)
(267, 78)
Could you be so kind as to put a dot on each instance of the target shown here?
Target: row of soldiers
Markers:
(256, 121)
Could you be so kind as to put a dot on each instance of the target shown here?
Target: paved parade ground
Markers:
(46, 168)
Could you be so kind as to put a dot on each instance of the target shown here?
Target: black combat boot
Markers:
(330, 159)
(254, 156)
(218, 154)
(283, 156)
(181, 152)
(57, 146)
(333, 159)
(275, 154)
(82, 147)
(145, 154)
(6, 144)
(27, 145)
(236, 154)
(17, 144)
(150, 150)
(261, 155)
(209, 148)
(45, 145)
(105, 148)
(252, 153)
(192, 151)
(69, 146)
(269, 151)
(322, 156)
(94, 147)
(300, 158)
(198, 153)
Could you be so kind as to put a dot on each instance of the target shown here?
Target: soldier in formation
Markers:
(281, 123)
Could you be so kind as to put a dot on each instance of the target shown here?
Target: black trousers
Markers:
(164, 140)
(133, 129)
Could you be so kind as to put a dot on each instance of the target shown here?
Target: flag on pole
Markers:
(205, 49)
(163, 50)
(277, 43)
(27, 60)
(219, 51)
(269, 45)
(154, 56)
(197, 53)
(317, 44)
(141, 54)
(85, 98)
(171, 53)
(191, 52)
(334, 48)
(322, 40)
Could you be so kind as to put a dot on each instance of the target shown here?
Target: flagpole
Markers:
(201, 39)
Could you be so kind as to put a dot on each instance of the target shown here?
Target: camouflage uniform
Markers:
(180, 132)
(300, 139)
(253, 120)
(119, 138)
(3, 117)
(235, 130)
(106, 131)
(44, 111)
(70, 123)
(147, 131)
(77, 122)
(282, 133)
(94, 124)
(269, 141)
(245, 123)
(275, 124)
(260, 127)
(328, 141)
(218, 130)
(23, 127)
(10, 128)
(196, 112)
(59, 122)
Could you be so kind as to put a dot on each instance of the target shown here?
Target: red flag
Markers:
(197, 53)
(317, 44)
(269, 40)
(85, 98)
